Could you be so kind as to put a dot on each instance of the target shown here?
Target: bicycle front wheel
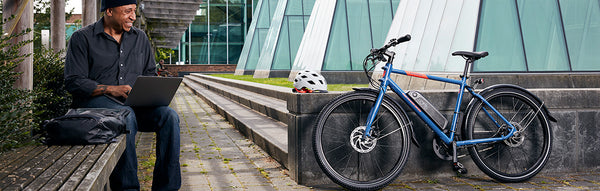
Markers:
(353, 162)
(521, 156)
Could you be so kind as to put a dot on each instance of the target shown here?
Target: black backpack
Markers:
(85, 126)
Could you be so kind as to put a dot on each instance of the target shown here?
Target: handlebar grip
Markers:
(403, 39)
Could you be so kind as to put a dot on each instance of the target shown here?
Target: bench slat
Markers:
(11, 156)
(24, 165)
(64, 173)
(51, 171)
(22, 157)
(84, 168)
(100, 172)
(33, 169)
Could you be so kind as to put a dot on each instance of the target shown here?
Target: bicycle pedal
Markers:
(459, 168)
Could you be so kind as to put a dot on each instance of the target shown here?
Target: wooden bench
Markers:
(80, 167)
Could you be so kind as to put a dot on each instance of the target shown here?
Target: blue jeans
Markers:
(162, 120)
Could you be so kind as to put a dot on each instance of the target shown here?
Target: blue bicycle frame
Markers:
(386, 81)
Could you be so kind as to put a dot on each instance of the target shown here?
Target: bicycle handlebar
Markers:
(377, 54)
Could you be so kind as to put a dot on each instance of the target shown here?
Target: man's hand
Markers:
(115, 91)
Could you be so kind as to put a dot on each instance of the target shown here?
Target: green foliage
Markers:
(48, 71)
(22, 110)
(284, 82)
(16, 105)
(163, 53)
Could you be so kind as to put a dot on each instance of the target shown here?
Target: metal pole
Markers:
(190, 44)
(227, 31)
(23, 12)
(179, 52)
(209, 31)
(89, 12)
(57, 25)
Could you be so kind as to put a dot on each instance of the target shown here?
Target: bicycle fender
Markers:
(410, 127)
(515, 87)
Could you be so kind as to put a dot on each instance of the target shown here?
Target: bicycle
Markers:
(362, 150)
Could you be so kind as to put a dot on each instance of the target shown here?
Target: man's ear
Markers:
(108, 12)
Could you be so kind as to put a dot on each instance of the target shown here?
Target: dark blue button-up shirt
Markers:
(94, 57)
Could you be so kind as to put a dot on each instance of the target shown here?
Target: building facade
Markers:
(332, 36)
(217, 33)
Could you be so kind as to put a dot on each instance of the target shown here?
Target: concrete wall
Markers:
(180, 70)
(575, 139)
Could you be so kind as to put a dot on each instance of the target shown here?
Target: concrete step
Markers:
(247, 94)
(267, 133)
(262, 89)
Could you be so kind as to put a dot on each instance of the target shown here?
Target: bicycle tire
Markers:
(361, 167)
(521, 156)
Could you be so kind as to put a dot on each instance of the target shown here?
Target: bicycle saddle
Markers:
(470, 55)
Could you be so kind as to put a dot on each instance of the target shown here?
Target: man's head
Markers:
(119, 14)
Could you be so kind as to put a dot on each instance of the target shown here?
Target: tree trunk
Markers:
(23, 12)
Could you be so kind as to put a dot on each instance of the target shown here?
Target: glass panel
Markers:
(381, 18)
(500, 35)
(543, 35)
(281, 59)
(254, 53)
(308, 6)
(296, 32)
(360, 35)
(235, 50)
(264, 19)
(294, 7)
(394, 5)
(272, 7)
(218, 51)
(582, 27)
(337, 55)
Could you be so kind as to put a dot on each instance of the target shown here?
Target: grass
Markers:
(283, 82)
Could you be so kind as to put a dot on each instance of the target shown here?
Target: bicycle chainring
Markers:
(441, 150)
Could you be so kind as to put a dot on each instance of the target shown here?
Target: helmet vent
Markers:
(311, 82)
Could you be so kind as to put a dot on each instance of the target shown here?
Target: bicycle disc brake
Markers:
(517, 138)
(358, 143)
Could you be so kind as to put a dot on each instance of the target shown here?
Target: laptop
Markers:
(151, 91)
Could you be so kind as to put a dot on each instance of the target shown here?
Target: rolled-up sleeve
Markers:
(77, 69)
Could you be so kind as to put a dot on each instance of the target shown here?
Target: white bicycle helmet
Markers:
(311, 81)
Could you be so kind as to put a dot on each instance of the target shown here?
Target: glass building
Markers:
(217, 34)
(522, 36)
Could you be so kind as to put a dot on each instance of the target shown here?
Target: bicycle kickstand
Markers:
(457, 166)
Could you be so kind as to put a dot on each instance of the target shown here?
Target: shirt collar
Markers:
(99, 27)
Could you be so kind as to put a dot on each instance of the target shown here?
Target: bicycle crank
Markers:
(358, 143)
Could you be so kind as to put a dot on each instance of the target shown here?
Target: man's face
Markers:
(124, 16)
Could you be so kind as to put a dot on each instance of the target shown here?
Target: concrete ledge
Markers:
(268, 134)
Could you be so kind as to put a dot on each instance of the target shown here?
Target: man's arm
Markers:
(115, 91)
(77, 67)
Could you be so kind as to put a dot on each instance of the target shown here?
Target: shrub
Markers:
(52, 98)
(16, 105)
(22, 110)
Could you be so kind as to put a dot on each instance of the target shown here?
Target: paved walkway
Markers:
(215, 156)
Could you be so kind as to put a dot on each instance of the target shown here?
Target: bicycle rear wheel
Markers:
(348, 160)
(521, 156)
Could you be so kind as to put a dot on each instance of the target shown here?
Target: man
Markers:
(105, 58)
